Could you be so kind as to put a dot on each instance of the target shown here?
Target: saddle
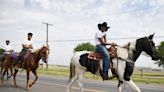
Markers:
(97, 56)
(113, 51)
(94, 56)
(27, 54)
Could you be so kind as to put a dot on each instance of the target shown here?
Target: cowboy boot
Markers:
(104, 76)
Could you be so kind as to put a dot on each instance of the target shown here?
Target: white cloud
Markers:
(160, 2)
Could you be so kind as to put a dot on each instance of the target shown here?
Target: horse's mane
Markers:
(130, 45)
(37, 51)
(125, 45)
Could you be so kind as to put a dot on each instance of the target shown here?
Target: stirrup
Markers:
(110, 74)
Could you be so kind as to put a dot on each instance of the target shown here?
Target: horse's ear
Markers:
(44, 45)
(48, 46)
(151, 36)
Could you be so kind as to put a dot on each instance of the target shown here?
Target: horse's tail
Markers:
(72, 69)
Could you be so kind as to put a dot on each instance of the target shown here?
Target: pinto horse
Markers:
(31, 63)
(123, 64)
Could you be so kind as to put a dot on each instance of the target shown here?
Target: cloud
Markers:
(78, 19)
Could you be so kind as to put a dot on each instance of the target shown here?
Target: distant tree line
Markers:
(160, 50)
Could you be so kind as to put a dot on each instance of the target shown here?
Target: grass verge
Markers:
(147, 77)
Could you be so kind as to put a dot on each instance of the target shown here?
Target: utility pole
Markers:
(47, 24)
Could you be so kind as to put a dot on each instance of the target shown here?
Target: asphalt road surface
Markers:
(58, 84)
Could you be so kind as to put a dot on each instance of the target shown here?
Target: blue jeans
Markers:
(105, 56)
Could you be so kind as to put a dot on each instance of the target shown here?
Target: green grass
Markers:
(147, 77)
(55, 70)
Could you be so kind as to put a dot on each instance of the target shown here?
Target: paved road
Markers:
(58, 84)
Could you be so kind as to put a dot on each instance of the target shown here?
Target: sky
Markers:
(75, 22)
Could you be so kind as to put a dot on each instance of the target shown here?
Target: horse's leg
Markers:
(72, 81)
(132, 85)
(3, 74)
(1, 70)
(46, 66)
(14, 76)
(28, 77)
(36, 77)
(7, 74)
(81, 76)
(120, 86)
(11, 71)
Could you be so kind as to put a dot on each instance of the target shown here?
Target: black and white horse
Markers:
(124, 66)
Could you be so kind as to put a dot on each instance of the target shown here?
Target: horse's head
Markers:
(44, 51)
(149, 47)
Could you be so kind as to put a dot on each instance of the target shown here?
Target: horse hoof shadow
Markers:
(1, 84)
(27, 88)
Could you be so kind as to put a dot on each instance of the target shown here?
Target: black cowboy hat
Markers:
(103, 24)
(7, 40)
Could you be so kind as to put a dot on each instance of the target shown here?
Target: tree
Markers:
(1, 51)
(85, 46)
(161, 54)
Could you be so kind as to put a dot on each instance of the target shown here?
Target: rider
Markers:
(7, 50)
(101, 42)
(27, 47)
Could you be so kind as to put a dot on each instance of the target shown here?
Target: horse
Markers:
(31, 63)
(123, 64)
(2, 61)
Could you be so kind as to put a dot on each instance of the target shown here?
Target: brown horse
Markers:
(6, 64)
(31, 63)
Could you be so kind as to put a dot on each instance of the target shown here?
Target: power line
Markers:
(78, 40)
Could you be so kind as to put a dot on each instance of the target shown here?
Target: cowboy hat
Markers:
(104, 24)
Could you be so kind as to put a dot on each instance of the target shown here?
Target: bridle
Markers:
(43, 57)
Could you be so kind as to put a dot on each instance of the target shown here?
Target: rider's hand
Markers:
(114, 44)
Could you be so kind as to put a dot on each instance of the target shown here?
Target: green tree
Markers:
(161, 53)
(1, 51)
(85, 46)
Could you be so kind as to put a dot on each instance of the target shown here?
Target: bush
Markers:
(1, 51)
(85, 46)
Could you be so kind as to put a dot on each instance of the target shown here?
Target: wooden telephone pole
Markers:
(47, 25)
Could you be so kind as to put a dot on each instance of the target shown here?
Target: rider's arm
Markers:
(104, 38)
(30, 46)
(104, 42)
(27, 46)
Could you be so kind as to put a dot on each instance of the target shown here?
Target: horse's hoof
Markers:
(68, 90)
(30, 85)
(27, 88)
(15, 85)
